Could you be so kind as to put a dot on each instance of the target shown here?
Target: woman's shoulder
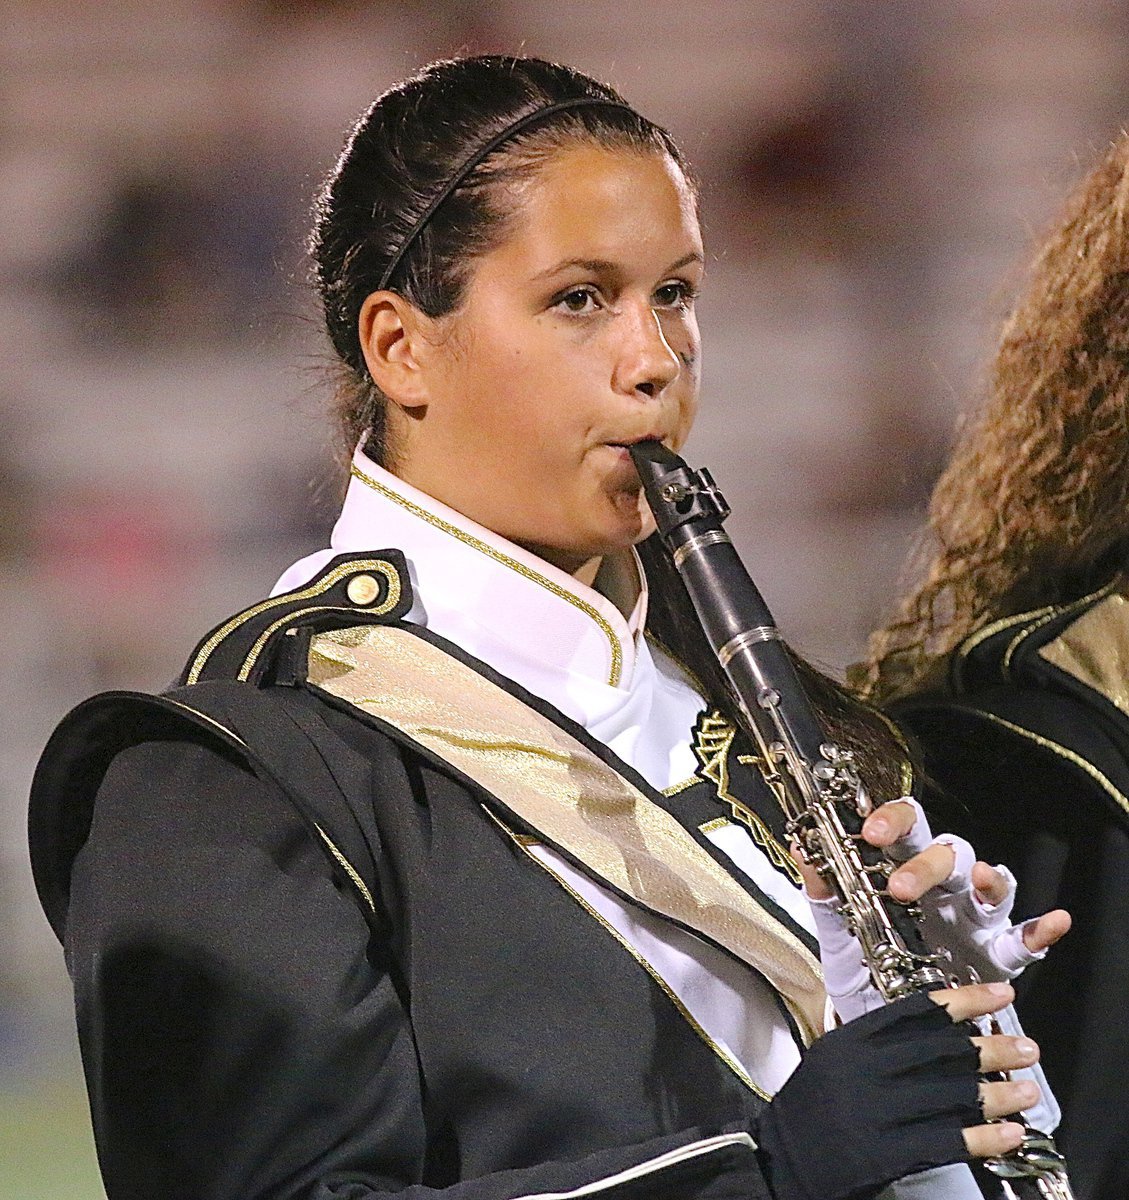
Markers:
(1043, 647)
(1050, 669)
(258, 643)
(233, 713)
(1037, 696)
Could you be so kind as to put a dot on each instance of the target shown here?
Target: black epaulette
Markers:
(268, 727)
(268, 641)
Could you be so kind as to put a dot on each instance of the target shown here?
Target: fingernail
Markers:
(879, 825)
(999, 989)
(1012, 1133)
(1028, 1048)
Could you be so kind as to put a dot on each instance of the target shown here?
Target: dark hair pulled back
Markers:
(401, 153)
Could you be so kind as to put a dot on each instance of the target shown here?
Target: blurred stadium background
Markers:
(874, 172)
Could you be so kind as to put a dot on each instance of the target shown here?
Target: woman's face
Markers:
(577, 337)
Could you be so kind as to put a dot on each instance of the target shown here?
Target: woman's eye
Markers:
(677, 294)
(577, 300)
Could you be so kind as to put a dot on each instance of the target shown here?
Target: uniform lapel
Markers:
(553, 783)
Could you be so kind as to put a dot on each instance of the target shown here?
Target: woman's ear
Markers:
(393, 341)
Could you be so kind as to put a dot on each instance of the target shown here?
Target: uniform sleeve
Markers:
(243, 1034)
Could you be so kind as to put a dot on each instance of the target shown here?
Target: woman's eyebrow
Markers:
(603, 266)
(597, 266)
(695, 256)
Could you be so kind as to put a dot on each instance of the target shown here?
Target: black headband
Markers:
(483, 152)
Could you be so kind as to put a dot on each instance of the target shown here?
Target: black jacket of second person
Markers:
(1027, 748)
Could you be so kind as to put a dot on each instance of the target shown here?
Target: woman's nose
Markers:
(647, 363)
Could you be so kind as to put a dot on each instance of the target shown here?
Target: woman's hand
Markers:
(966, 907)
(893, 1093)
(901, 829)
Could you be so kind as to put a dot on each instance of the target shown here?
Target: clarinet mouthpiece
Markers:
(675, 493)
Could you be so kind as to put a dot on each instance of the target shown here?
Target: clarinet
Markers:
(817, 782)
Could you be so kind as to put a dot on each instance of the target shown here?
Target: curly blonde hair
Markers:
(1035, 499)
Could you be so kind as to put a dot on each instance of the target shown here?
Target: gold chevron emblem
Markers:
(713, 741)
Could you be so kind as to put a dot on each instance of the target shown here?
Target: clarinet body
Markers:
(824, 799)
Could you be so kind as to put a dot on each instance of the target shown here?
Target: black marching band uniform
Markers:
(392, 920)
(1027, 751)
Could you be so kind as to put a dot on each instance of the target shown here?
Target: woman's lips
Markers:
(627, 442)
(624, 468)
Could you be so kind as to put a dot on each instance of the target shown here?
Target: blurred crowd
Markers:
(873, 172)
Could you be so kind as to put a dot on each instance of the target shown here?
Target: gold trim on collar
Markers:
(1037, 617)
(974, 639)
(320, 587)
(1083, 764)
(1094, 649)
(615, 673)
(565, 791)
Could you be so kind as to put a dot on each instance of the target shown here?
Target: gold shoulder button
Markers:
(362, 590)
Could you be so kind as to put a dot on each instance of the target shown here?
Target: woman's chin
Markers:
(632, 524)
(635, 516)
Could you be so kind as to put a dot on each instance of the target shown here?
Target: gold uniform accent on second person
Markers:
(558, 786)
(1029, 620)
(1094, 649)
(615, 672)
(1102, 780)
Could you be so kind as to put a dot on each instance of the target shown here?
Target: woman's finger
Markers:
(1000, 1052)
(889, 822)
(813, 884)
(1007, 1097)
(974, 999)
(924, 871)
(991, 887)
(992, 1141)
(1044, 931)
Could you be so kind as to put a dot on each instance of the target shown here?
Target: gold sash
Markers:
(555, 784)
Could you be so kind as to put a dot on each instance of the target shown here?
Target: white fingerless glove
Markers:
(979, 936)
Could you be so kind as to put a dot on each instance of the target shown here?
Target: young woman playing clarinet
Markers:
(444, 871)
